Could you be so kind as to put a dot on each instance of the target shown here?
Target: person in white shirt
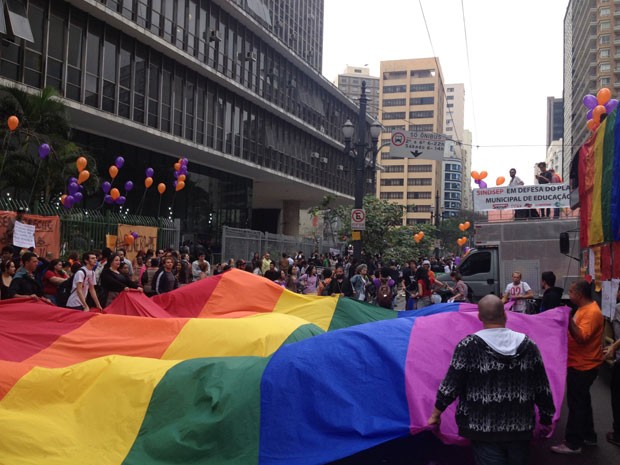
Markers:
(514, 179)
(518, 291)
(199, 265)
(84, 284)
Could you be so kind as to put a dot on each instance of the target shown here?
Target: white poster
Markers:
(23, 235)
(514, 197)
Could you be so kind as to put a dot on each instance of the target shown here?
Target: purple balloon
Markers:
(174, 184)
(128, 186)
(73, 188)
(72, 179)
(149, 172)
(483, 185)
(183, 169)
(135, 235)
(119, 162)
(184, 162)
(44, 151)
(121, 200)
(589, 115)
(611, 105)
(176, 174)
(106, 186)
(457, 261)
(477, 181)
(78, 197)
(590, 101)
(108, 199)
(69, 201)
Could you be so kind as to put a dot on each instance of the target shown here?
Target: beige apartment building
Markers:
(411, 98)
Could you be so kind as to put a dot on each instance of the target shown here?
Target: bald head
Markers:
(491, 310)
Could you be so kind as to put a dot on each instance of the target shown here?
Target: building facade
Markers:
(555, 119)
(554, 157)
(452, 186)
(467, 199)
(350, 82)
(411, 98)
(234, 86)
(589, 58)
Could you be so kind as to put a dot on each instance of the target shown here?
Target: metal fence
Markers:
(82, 230)
(243, 243)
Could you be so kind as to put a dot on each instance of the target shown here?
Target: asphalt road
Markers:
(425, 449)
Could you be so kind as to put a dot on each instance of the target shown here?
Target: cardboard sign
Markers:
(46, 233)
(147, 239)
(23, 235)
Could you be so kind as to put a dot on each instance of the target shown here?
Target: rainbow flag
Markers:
(268, 388)
(599, 184)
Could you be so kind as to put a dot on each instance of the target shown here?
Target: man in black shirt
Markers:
(165, 280)
(552, 296)
(272, 274)
(409, 283)
(24, 283)
(339, 285)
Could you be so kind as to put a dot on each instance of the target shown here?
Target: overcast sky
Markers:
(515, 53)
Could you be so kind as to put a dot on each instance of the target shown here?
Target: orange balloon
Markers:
(597, 113)
(475, 175)
(421, 234)
(417, 238)
(483, 174)
(148, 182)
(467, 225)
(591, 125)
(83, 176)
(500, 180)
(161, 188)
(81, 163)
(181, 178)
(115, 193)
(12, 122)
(180, 185)
(603, 96)
(113, 170)
(461, 226)
(62, 198)
(177, 166)
(459, 241)
(129, 239)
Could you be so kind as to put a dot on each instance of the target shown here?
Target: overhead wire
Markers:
(471, 82)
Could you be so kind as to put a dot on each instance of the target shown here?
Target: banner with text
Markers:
(515, 197)
(46, 232)
(147, 239)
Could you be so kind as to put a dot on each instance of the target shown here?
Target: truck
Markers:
(529, 246)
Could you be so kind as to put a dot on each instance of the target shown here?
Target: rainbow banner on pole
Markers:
(265, 388)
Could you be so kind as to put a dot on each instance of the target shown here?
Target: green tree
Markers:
(449, 230)
(43, 119)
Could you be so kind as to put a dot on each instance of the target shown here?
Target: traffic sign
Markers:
(424, 145)
(358, 219)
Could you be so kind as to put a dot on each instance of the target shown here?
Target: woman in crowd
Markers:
(53, 277)
(292, 280)
(282, 279)
(359, 282)
(113, 281)
(309, 280)
(424, 288)
(326, 278)
(8, 270)
(460, 288)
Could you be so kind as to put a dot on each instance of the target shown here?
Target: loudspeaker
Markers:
(564, 243)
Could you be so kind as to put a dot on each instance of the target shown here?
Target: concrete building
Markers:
(554, 156)
(350, 83)
(453, 176)
(234, 86)
(555, 119)
(467, 202)
(411, 98)
(591, 57)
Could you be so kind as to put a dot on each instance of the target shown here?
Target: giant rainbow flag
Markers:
(255, 386)
(599, 184)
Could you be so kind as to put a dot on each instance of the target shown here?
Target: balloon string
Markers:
(34, 185)
(141, 204)
(5, 145)
(159, 206)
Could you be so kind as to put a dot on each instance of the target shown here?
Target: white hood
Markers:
(502, 340)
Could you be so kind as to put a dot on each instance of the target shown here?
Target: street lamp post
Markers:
(360, 150)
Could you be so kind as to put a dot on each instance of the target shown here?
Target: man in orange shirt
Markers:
(585, 356)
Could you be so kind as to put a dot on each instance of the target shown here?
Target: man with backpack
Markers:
(83, 285)
(384, 286)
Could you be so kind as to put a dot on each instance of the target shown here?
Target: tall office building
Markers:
(467, 202)
(411, 98)
(452, 185)
(591, 61)
(350, 83)
(234, 86)
(554, 156)
(555, 119)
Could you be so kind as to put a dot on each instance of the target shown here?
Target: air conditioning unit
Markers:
(250, 56)
(214, 36)
(316, 155)
(323, 159)
(340, 167)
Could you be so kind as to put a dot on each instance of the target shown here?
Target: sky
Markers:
(515, 63)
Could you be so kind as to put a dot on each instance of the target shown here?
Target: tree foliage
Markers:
(449, 230)
(43, 119)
